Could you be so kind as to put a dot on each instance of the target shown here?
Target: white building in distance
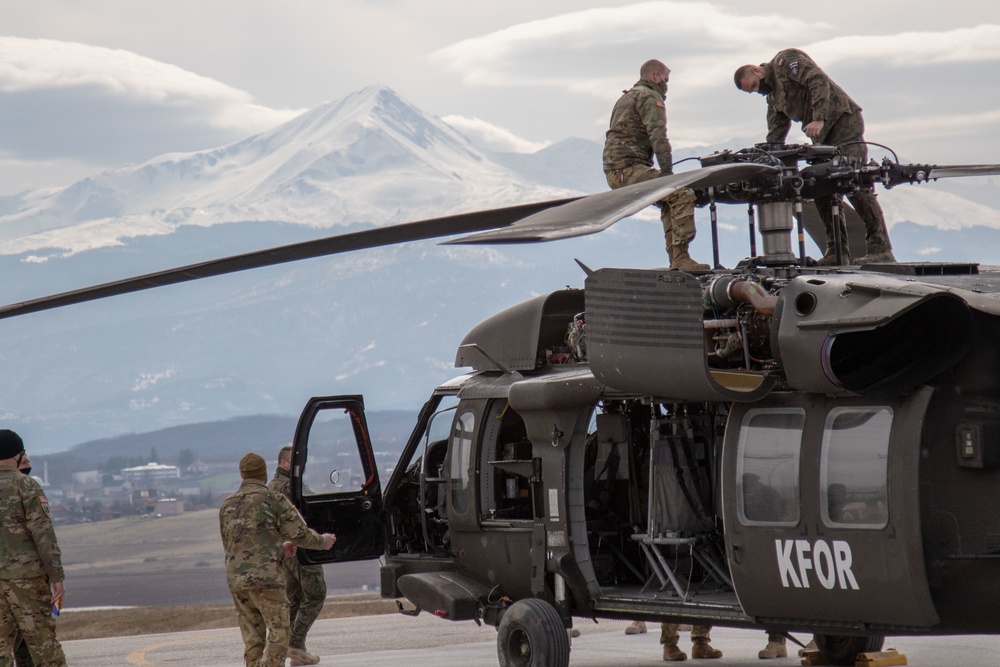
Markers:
(151, 472)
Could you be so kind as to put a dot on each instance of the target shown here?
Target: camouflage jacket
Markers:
(638, 130)
(803, 92)
(28, 546)
(281, 482)
(254, 522)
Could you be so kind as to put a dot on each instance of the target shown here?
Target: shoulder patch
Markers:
(44, 502)
(794, 66)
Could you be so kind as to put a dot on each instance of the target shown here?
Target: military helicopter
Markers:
(778, 446)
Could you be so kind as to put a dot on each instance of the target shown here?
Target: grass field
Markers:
(173, 559)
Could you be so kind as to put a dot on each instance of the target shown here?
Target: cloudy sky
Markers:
(90, 85)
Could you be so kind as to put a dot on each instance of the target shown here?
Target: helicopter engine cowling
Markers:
(856, 334)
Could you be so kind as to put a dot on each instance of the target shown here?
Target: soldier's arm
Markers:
(39, 525)
(778, 125)
(294, 528)
(654, 119)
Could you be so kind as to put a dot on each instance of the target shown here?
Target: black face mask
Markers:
(25, 471)
(763, 88)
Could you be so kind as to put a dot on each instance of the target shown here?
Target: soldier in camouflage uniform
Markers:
(31, 574)
(258, 528)
(797, 89)
(305, 585)
(22, 655)
(638, 131)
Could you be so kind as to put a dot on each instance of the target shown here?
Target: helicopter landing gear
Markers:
(843, 650)
(532, 634)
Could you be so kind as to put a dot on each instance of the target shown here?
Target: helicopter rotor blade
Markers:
(963, 170)
(894, 173)
(461, 223)
(596, 213)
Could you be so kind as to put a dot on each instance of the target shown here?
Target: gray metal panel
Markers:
(816, 310)
(645, 335)
(516, 337)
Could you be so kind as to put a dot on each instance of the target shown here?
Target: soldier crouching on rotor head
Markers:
(797, 89)
(638, 130)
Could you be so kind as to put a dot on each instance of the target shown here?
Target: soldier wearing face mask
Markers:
(798, 90)
(637, 133)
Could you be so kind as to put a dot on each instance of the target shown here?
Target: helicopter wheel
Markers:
(843, 650)
(532, 634)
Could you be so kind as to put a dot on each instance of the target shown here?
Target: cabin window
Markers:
(460, 452)
(506, 465)
(854, 468)
(767, 484)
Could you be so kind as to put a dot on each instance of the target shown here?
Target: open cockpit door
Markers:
(335, 481)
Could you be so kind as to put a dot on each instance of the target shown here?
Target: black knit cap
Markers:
(10, 444)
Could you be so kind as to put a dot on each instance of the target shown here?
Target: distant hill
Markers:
(218, 442)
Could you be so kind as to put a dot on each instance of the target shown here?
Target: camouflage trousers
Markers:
(26, 606)
(306, 590)
(263, 619)
(668, 633)
(846, 129)
(676, 211)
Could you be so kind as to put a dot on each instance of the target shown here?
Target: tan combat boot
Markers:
(829, 258)
(300, 656)
(811, 646)
(883, 257)
(681, 260)
(702, 650)
(671, 653)
(636, 628)
(773, 650)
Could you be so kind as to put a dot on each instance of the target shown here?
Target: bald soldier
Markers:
(305, 585)
(638, 131)
(31, 573)
(258, 528)
(797, 89)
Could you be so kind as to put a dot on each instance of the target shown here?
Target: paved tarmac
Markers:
(393, 640)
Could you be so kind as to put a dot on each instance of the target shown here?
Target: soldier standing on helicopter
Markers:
(797, 89)
(638, 131)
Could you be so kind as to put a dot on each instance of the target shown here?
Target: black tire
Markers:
(843, 650)
(532, 634)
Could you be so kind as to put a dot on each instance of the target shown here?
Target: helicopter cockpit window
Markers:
(461, 451)
(334, 463)
(854, 469)
(767, 485)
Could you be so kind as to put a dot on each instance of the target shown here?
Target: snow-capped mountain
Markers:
(369, 158)
(382, 322)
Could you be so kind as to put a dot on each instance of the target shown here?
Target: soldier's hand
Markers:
(329, 539)
(58, 592)
(813, 129)
(289, 549)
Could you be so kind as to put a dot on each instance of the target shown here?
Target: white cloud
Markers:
(913, 49)
(492, 136)
(66, 100)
